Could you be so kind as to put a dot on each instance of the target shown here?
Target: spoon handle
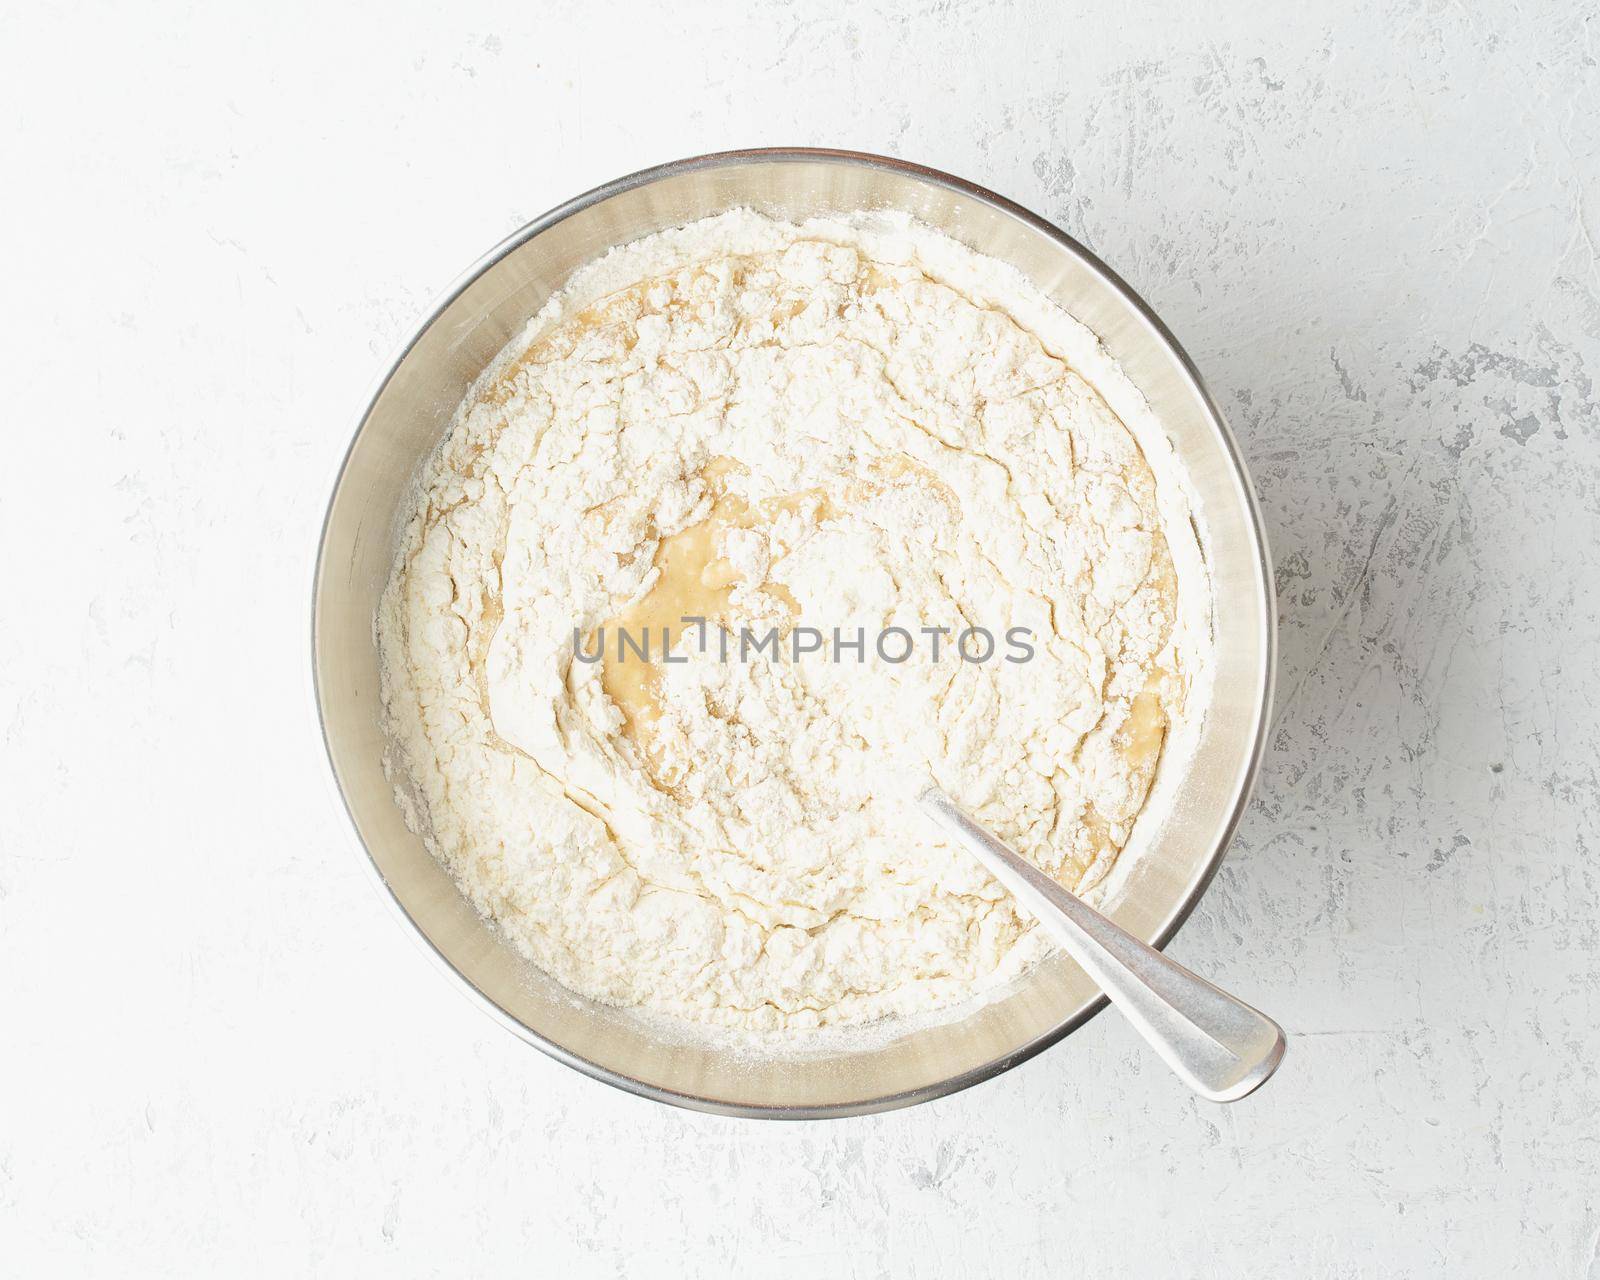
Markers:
(1220, 1047)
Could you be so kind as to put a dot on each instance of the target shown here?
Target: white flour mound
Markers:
(851, 424)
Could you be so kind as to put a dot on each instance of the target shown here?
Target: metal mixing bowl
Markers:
(413, 406)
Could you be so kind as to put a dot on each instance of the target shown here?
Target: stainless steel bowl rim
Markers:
(1148, 317)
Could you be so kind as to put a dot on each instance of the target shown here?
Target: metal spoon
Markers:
(1220, 1047)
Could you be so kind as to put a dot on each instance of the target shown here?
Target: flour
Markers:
(842, 426)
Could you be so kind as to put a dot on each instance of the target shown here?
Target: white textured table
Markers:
(1375, 227)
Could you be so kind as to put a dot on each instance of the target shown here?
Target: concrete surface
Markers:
(1374, 224)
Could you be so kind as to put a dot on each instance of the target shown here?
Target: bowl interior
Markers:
(414, 407)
